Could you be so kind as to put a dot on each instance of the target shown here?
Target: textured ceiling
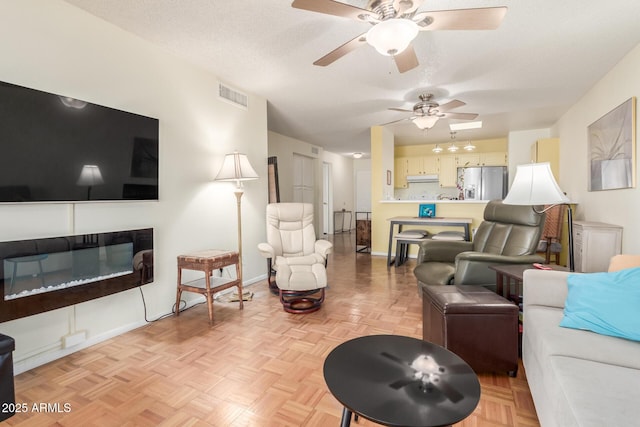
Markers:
(544, 56)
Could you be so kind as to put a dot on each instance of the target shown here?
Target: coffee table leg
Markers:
(346, 418)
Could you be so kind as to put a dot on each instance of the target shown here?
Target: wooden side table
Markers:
(207, 261)
(506, 273)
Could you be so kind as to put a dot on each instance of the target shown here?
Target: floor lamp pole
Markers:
(238, 192)
(570, 231)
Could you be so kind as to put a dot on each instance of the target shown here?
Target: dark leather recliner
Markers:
(509, 234)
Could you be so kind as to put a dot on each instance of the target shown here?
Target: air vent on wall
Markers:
(315, 150)
(233, 96)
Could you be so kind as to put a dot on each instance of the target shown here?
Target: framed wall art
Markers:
(612, 149)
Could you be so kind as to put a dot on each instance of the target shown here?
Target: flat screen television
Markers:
(58, 149)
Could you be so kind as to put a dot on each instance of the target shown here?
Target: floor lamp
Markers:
(236, 167)
(534, 185)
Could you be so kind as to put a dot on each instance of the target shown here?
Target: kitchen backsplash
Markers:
(425, 191)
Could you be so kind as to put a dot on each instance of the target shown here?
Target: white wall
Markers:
(621, 207)
(342, 176)
(55, 47)
(520, 143)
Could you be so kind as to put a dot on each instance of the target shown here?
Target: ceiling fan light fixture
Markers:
(392, 36)
(425, 122)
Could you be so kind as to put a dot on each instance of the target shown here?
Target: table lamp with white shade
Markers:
(90, 175)
(236, 167)
(534, 184)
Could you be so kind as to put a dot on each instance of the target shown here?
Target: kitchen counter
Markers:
(434, 201)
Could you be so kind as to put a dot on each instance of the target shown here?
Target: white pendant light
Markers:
(437, 149)
(469, 146)
(392, 36)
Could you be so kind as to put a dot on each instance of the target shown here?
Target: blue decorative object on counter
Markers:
(427, 210)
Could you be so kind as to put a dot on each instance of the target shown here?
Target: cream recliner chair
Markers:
(297, 258)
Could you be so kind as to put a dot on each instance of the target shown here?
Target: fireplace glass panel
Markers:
(33, 274)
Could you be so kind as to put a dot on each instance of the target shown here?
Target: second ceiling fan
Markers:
(427, 112)
(396, 23)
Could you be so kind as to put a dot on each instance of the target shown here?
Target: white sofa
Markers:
(576, 377)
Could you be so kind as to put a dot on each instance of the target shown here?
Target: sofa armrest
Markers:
(547, 288)
(441, 250)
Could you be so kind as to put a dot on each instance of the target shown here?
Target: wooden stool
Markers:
(207, 261)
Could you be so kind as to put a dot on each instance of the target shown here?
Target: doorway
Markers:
(327, 200)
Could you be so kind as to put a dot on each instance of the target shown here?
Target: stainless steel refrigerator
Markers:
(483, 182)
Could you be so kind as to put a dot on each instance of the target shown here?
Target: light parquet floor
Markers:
(255, 367)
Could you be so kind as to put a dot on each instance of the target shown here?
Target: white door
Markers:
(326, 199)
(303, 179)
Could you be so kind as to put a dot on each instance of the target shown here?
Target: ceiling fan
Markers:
(427, 112)
(428, 375)
(395, 23)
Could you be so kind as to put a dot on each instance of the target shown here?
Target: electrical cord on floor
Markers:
(173, 309)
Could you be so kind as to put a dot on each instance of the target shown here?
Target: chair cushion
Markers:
(412, 234)
(301, 277)
(448, 235)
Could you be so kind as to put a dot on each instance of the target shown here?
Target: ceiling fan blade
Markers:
(486, 18)
(406, 60)
(461, 116)
(341, 51)
(450, 105)
(446, 389)
(391, 356)
(397, 121)
(401, 109)
(335, 8)
(402, 383)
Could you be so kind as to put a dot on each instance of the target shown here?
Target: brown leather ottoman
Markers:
(475, 323)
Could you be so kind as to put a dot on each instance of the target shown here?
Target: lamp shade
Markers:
(236, 167)
(90, 175)
(392, 36)
(534, 185)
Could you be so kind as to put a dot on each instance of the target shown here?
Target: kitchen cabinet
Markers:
(594, 243)
(547, 150)
(448, 171)
(423, 165)
(400, 172)
(467, 159)
(497, 158)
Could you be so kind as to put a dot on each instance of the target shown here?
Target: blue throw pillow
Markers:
(606, 303)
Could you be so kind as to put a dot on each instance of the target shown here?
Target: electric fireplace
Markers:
(39, 275)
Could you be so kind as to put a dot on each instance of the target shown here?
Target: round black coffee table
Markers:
(401, 381)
